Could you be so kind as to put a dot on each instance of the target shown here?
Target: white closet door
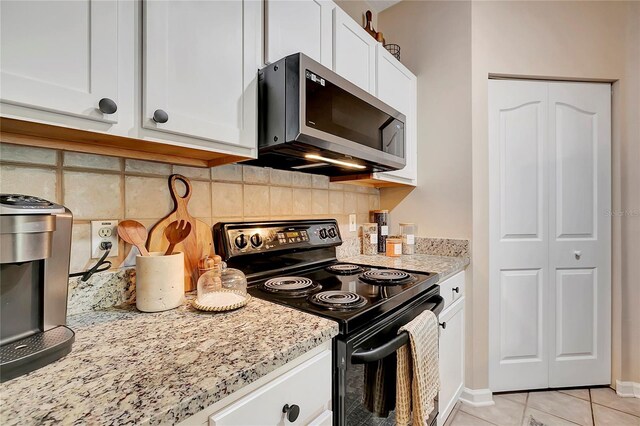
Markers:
(580, 234)
(518, 352)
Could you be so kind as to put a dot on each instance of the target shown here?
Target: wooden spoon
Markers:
(175, 233)
(135, 234)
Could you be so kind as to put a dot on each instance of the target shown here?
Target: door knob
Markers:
(443, 324)
(160, 116)
(107, 106)
(456, 289)
(291, 412)
(577, 254)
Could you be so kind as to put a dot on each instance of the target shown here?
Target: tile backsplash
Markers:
(96, 187)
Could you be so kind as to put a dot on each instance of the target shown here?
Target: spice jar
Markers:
(394, 246)
(369, 238)
(408, 232)
(381, 217)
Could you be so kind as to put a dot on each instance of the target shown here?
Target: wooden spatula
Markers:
(175, 233)
(135, 234)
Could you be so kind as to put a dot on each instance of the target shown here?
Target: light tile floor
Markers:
(587, 407)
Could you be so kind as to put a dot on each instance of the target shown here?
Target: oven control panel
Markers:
(255, 237)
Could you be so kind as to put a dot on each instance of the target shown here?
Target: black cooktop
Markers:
(372, 300)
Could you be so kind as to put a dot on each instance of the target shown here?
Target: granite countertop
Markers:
(129, 367)
(445, 266)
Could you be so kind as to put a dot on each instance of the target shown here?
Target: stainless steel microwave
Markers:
(311, 119)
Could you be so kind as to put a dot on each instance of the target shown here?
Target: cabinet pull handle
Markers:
(160, 116)
(578, 254)
(443, 324)
(107, 106)
(291, 412)
(456, 289)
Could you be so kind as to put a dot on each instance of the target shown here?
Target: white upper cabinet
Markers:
(354, 51)
(61, 57)
(397, 86)
(299, 26)
(200, 69)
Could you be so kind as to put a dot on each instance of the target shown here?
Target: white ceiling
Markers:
(380, 5)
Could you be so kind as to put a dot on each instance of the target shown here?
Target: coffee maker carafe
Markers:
(35, 246)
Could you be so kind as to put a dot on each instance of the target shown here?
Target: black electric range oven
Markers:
(294, 263)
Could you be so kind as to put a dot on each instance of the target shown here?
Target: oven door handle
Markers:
(361, 356)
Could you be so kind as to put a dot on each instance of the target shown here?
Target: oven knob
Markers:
(241, 241)
(323, 233)
(291, 412)
(256, 240)
(332, 232)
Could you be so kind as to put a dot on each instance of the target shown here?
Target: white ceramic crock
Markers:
(159, 281)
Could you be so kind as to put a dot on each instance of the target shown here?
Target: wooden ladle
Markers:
(176, 232)
(135, 234)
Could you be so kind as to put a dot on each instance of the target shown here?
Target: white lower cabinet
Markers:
(451, 354)
(304, 385)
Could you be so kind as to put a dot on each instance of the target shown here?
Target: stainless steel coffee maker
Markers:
(35, 246)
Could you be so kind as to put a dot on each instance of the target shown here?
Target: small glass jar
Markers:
(408, 232)
(370, 238)
(394, 246)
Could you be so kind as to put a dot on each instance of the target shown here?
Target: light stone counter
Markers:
(129, 367)
(445, 266)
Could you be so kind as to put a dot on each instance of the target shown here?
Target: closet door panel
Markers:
(518, 275)
(580, 248)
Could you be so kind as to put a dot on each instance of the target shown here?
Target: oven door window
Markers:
(334, 110)
(370, 394)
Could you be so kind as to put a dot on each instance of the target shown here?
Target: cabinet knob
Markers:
(456, 289)
(443, 324)
(577, 254)
(107, 106)
(291, 412)
(160, 116)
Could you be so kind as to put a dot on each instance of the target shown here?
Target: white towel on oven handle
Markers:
(418, 378)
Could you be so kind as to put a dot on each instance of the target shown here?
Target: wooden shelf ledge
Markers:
(67, 139)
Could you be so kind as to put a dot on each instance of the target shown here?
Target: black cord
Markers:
(97, 267)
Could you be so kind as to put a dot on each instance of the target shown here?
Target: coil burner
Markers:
(338, 300)
(345, 269)
(290, 286)
(385, 277)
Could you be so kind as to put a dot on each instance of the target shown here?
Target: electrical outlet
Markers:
(353, 226)
(104, 231)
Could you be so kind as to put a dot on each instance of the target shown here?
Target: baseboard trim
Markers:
(628, 389)
(477, 397)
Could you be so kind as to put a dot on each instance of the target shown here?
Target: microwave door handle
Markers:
(361, 356)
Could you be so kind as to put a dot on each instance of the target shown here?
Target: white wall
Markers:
(434, 38)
